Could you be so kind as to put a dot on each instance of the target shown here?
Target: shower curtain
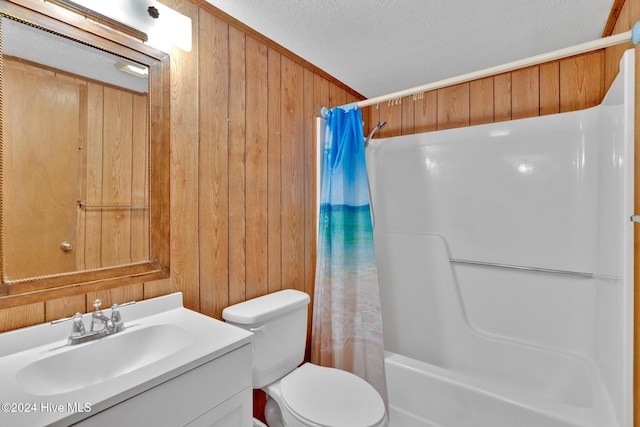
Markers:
(347, 320)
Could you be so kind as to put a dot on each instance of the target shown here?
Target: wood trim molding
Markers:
(616, 8)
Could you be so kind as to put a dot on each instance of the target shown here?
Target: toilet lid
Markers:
(331, 397)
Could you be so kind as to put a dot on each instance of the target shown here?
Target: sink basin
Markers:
(94, 362)
(45, 382)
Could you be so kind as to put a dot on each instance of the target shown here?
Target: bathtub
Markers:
(424, 395)
(505, 269)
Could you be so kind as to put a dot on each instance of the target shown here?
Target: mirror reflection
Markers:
(75, 156)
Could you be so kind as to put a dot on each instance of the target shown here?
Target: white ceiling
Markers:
(382, 46)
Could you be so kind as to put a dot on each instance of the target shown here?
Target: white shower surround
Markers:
(474, 345)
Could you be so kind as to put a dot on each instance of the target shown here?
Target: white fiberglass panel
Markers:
(511, 193)
(551, 193)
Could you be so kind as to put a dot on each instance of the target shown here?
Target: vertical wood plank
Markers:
(390, 112)
(274, 175)
(453, 106)
(257, 264)
(407, 120)
(140, 181)
(237, 167)
(581, 81)
(213, 167)
(21, 316)
(549, 88)
(292, 175)
(93, 178)
(116, 181)
(308, 168)
(184, 222)
(502, 97)
(614, 53)
(384, 115)
(425, 112)
(64, 307)
(112, 296)
(309, 197)
(481, 101)
(525, 93)
(337, 96)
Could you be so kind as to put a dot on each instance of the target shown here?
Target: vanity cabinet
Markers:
(217, 393)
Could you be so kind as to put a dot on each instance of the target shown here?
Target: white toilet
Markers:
(305, 396)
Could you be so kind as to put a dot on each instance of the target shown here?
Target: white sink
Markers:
(94, 362)
(47, 382)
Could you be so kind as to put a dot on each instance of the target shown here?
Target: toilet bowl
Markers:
(306, 395)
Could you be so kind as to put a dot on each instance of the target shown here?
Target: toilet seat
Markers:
(329, 397)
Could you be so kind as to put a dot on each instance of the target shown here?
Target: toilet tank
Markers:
(279, 325)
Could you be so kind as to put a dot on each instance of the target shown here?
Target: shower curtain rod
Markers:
(632, 35)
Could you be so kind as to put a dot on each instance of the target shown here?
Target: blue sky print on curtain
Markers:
(347, 324)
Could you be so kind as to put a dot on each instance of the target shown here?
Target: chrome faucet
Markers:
(101, 325)
(100, 322)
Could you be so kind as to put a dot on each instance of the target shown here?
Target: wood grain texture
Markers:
(453, 106)
(481, 101)
(213, 163)
(237, 166)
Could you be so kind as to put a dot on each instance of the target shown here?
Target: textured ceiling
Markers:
(383, 46)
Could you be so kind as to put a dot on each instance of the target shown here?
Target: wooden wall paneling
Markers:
(309, 198)
(140, 180)
(502, 97)
(453, 106)
(481, 101)
(292, 177)
(614, 53)
(425, 112)
(65, 307)
(373, 117)
(337, 96)
(407, 125)
(385, 115)
(581, 81)
(257, 189)
(237, 166)
(93, 178)
(549, 88)
(392, 114)
(184, 94)
(274, 170)
(213, 158)
(525, 93)
(634, 12)
(80, 243)
(116, 179)
(21, 316)
(112, 296)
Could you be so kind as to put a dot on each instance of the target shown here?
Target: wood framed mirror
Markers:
(84, 155)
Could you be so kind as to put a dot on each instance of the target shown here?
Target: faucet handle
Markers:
(77, 330)
(97, 303)
(116, 318)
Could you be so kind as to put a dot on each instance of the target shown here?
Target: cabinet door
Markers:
(187, 397)
(235, 412)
